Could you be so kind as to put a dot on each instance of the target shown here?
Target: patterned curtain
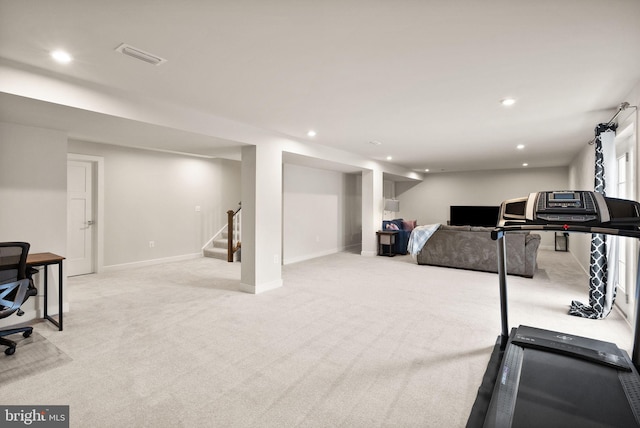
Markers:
(602, 291)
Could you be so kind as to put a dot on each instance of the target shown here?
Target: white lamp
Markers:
(392, 205)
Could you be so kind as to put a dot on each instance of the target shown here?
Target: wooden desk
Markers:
(47, 259)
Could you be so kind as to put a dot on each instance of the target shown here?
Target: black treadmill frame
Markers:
(498, 234)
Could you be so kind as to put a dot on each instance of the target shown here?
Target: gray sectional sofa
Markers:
(469, 247)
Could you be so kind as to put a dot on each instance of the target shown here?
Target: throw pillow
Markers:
(409, 225)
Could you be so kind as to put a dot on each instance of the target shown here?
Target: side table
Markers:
(388, 238)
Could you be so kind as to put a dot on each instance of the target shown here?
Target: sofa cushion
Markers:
(447, 227)
(397, 224)
(481, 229)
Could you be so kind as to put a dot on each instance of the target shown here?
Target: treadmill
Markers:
(543, 378)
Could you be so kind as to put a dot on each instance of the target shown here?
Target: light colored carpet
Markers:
(349, 341)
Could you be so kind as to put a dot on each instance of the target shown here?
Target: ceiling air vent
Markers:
(140, 54)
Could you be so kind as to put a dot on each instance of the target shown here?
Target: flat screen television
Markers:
(468, 215)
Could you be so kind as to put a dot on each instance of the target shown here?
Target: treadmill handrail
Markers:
(568, 227)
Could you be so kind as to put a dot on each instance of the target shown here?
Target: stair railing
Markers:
(234, 232)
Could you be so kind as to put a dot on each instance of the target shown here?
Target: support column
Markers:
(261, 218)
(372, 204)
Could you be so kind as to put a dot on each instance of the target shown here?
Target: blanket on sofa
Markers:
(419, 236)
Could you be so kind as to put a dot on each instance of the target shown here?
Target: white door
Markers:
(79, 217)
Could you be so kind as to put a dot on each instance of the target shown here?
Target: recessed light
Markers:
(520, 146)
(426, 170)
(508, 101)
(389, 157)
(311, 133)
(525, 164)
(375, 142)
(61, 56)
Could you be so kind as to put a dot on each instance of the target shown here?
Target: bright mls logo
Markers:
(35, 416)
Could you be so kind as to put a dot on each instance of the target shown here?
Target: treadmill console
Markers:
(574, 207)
(567, 206)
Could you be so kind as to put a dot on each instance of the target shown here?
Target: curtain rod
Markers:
(622, 107)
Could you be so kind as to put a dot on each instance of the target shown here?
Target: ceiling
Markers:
(421, 78)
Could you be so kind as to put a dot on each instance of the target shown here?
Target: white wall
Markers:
(33, 191)
(428, 202)
(321, 212)
(581, 177)
(152, 196)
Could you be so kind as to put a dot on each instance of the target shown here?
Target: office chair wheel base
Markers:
(10, 350)
(26, 334)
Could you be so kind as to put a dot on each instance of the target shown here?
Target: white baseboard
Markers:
(291, 260)
(585, 269)
(113, 268)
(261, 288)
(352, 247)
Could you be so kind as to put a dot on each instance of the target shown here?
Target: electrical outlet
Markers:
(152, 244)
(197, 208)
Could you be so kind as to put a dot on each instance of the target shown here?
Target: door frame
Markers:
(98, 205)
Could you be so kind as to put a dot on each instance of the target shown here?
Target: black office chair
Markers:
(16, 286)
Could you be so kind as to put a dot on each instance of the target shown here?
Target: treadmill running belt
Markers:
(560, 391)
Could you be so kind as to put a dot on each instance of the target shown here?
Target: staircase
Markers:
(225, 245)
(218, 248)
